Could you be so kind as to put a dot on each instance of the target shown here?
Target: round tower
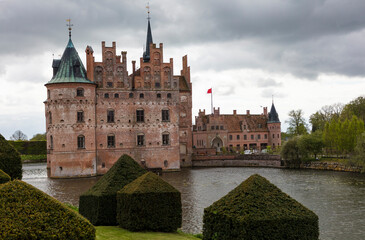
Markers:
(70, 118)
(274, 126)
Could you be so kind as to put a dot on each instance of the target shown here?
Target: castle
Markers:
(237, 132)
(95, 115)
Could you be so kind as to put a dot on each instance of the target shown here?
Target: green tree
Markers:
(39, 137)
(359, 156)
(319, 119)
(10, 161)
(290, 152)
(297, 124)
(311, 144)
(355, 107)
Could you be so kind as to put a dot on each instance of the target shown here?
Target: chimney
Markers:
(265, 111)
(248, 112)
(234, 112)
(134, 66)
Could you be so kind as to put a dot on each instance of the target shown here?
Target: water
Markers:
(338, 198)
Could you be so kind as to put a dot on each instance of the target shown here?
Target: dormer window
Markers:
(80, 92)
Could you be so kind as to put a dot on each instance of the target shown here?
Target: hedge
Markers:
(10, 161)
(149, 204)
(4, 177)
(257, 209)
(30, 147)
(99, 203)
(28, 213)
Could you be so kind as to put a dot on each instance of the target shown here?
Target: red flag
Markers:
(209, 90)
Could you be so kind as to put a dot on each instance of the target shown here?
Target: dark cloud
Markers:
(304, 38)
(268, 82)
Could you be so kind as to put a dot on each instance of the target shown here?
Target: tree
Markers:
(319, 119)
(290, 152)
(39, 137)
(10, 161)
(355, 107)
(297, 124)
(311, 144)
(359, 156)
(18, 135)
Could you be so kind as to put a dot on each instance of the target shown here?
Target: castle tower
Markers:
(274, 126)
(70, 118)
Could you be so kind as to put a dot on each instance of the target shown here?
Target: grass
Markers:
(114, 233)
(34, 158)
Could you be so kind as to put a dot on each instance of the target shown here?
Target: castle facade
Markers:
(95, 115)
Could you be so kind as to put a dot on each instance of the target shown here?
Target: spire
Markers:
(146, 54)
(273, 115)
(69, 25)
(69, 68)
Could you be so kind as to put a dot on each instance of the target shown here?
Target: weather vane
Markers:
(69, 25)
(148, 10)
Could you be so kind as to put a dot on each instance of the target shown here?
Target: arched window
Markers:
(140, 139)
(110, 116)
(169, 95)
(158, 95)
(141, 95)
(81, 142)
(50, 117)
(130, 95)
(165, 115)
(166, 138)
(111, 141)
(80, 92)
(51, 142)
(80, 116)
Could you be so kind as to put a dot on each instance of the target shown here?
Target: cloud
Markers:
(268, 82)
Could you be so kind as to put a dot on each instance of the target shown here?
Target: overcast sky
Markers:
(305, 53)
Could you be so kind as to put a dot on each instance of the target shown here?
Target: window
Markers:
(265, 136)
(158, 95)
(140, 140)
(165, 115)
(238, 137)
(51, 145)
(106, 95)
(116, 95)
(245, 137)
(50, 117)
(111, 141)
(244, 126)
(80, 142)
(216, 127)
(278, 135)
(140, 115)
(110, 116)
(251, 136)
(221, 127)
(169, 95)
(80, 92)
(130, 95)
(212, 127)
(80, 116)
(260, 126)
(157, 85)
(230, 137)
(141, 95)
(165, 139)
(273, 135)
(109, 84)
(48, 94)
(166, 163)
(258, 136)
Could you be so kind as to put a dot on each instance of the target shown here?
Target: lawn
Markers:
(114, 233)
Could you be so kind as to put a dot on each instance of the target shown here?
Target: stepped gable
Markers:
(10, 161)
(28, 213)
(257, 209)
(4, 177)
(99, 203)
(149, 204)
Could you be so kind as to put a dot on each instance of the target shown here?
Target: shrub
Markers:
(257, 209)
(10, 161)
(30, 147)
(149, 204)
(4, 177)
(28, 213)
(99, 203)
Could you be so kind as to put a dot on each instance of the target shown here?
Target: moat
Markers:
(338, 198)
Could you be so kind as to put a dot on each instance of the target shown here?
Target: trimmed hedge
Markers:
(10, 161)
(30, 147)
(149, 204)
(4, 177)
(99, 203)
(257, 209)
(28, 213)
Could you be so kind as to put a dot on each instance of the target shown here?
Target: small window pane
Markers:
(140, 115)
(110, 116)
(111, 141)
(165, 115)
(165, 139)
(140, 140)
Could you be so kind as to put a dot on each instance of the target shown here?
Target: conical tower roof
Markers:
(273, 115)
(70, 67)
(146, 54)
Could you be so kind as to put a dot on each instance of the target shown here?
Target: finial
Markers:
(69, 25)
(272, 96)
(148, 10)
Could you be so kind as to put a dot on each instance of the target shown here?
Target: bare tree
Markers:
(18, 135)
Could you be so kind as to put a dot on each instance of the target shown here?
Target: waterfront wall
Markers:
(236, 161)
(334, 166)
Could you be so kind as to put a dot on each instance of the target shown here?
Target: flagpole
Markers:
(211, 101)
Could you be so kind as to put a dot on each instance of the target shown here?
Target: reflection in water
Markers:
(337, 198)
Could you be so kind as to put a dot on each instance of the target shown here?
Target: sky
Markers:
(302, 54)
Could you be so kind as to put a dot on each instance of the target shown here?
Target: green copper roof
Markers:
(70, 68)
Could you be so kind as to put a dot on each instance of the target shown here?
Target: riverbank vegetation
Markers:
(337, 134)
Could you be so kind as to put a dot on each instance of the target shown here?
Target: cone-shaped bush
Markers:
(99, 203)
(10, 161)
(28, 213)
(257, 209)
(149, 204)
(4, 177)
